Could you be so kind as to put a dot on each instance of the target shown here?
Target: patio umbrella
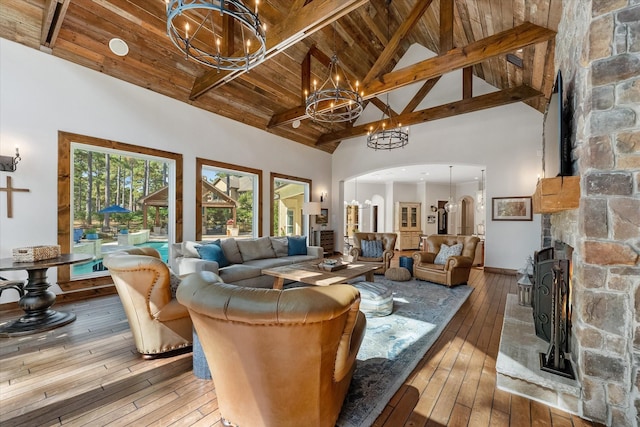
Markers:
(113, 209)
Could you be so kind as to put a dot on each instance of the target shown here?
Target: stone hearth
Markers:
(518, 363)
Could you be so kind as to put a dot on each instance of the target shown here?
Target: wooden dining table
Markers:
(38, 299)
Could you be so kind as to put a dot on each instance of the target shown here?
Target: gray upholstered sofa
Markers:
(246, 258)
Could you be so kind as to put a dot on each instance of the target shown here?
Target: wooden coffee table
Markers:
(311, 274)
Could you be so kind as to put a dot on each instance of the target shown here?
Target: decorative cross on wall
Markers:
(9, 189)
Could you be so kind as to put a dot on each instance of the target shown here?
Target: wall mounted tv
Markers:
(557, 141)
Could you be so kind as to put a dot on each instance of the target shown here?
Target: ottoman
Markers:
(398, 274)
(406, 262)
(200, 365)
(376, 300)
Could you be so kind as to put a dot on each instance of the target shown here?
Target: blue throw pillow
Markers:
(371, 248)
(213, 252)
(297, 245)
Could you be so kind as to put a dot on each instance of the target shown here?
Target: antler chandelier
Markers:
(196, 27)
(387, 137)
(335, 100)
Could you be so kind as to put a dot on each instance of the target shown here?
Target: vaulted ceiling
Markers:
(508, 43)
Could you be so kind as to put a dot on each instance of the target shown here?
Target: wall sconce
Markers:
(434, 208)
(8, 163)
(323, 196)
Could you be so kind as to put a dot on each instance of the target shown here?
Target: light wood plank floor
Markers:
(88, 373)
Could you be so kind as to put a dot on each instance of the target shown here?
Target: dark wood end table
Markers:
(38, 299)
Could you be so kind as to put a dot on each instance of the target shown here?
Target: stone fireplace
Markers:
(598, 51)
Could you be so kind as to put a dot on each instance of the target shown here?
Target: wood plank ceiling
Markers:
(476, 36)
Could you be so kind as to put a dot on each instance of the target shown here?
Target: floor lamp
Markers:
(311, 208)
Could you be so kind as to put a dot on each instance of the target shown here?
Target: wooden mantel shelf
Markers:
(556, 194)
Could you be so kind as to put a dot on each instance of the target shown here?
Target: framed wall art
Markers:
(511, 209)
(323, 218)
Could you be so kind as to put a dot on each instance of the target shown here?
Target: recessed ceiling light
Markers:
(118, 47)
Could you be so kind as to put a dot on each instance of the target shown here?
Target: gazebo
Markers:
(158, 199)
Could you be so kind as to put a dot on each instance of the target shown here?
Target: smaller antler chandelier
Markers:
(388, 134)
(196, 28)
(335, 100)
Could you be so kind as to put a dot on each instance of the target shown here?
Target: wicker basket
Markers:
(35, 253)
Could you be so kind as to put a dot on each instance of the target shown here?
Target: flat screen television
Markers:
(557, 144)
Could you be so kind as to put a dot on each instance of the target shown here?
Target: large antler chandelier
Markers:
(388, 134)
(336, 100)
(196, 27)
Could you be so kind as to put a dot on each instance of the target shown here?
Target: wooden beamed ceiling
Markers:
(370, 37)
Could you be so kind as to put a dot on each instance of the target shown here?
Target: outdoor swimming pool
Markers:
(88, 268)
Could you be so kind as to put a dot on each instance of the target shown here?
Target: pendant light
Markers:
(480, 197)
(450, 206)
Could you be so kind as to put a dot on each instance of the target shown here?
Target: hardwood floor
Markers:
(88, 373)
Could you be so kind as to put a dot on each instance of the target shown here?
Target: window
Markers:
(228, 201)
(290, 223)
(288, 195)
(134, 187)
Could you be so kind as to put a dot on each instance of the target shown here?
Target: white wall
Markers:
(41, 94)
(505, 141)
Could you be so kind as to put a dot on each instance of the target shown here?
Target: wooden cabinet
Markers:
(324, 238)
(407, 225)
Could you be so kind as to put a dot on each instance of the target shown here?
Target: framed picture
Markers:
(431, 219)
(323, 218)
(511, 209)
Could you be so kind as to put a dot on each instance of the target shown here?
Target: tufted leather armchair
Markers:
(456, 269)
(280, 358)
(388, 247)
(159, 323)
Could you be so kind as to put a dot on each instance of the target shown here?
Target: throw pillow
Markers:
(446, 251)
(189, 249)
(213, 252)
(280, 245)
(174, 281)
(259, 248)
(231, 251)
(371, 248)
(297, 245)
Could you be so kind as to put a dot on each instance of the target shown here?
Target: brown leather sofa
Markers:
(280, 358)
(388, 247)
(159, 323)
(456, 269)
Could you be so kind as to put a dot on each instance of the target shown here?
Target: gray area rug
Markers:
(393, 345)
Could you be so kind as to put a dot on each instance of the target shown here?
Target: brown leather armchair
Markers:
(277, 357)
(388, 248)
(159, 323)
(455, 270)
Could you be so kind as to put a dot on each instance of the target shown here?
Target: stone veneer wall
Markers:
(598, 52)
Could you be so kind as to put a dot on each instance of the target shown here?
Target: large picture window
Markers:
(113, 196)
(288, 195)
(228, 201)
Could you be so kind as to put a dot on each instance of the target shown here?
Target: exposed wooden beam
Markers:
(422, 93)
(382, 106)
(460, 57)
(305, 74)
(482, 102)
(446, 26)
(309, 19)
(467, 82)
(390, 49)
(52, 18)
